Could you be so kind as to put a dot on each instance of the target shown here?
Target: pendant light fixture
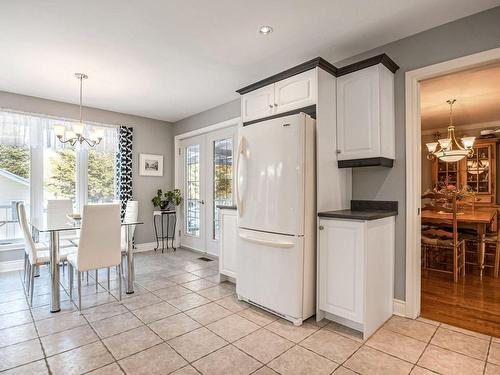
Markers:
(76, 134)
(448, 149)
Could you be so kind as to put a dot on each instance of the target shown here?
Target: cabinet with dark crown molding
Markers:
(292, 93)
(366, 118)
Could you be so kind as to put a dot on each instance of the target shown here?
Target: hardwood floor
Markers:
(471, 303)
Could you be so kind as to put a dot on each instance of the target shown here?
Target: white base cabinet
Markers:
(356, 272)
(228, 243)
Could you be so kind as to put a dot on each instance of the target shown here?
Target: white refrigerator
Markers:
(276, 198)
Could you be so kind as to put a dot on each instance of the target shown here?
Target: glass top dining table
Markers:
(54, 224)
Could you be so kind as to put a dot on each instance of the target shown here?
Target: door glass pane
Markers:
(192, 213)
(101, 172)
(223, 179)
(14, 178)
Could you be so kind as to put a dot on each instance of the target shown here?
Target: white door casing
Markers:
(180, 141)
(413, 163)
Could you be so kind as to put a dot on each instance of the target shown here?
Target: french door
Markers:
(207, 181)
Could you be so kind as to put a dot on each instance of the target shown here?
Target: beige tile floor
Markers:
(181, 320)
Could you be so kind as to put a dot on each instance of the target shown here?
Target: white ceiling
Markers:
(477, 92)
(171, 59)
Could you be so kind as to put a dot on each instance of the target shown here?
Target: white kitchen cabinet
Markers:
(298, 91)
(365, 114)
(355, 272)
(228, 239)
(258, 103)
(295, 92)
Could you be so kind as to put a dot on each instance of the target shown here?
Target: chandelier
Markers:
(76, 134)
(448, 149)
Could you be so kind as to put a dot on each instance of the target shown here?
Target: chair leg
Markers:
(497, 259)
(32, 284)
(96, 278)
(455, 263)
(28, 278)
(25, 267)
(87, 277)
(120, 282)
(70, 274)
(79, 291)
(463, 259)
(109, 278)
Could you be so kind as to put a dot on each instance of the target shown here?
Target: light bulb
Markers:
(431, 146)
(468, 142)
(59, 130)
(78, 128)
(445, 142)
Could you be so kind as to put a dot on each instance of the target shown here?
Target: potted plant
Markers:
(170, 198)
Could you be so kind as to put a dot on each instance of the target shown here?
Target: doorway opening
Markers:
(205, 175)
(452, 204)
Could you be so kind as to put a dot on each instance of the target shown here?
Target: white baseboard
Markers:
(12, 265)
(399, 307)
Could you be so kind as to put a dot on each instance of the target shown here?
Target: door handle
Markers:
(239, 201)
(262, 241)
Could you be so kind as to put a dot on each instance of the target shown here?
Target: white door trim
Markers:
(413, 160)
(178, 162)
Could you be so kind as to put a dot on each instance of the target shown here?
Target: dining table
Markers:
(477, 219)
(54, 224)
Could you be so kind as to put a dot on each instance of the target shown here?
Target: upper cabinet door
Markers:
(295, 92)
(358, 115)
(258, 103)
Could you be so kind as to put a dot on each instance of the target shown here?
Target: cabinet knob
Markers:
(275, 105)
(270, 106)
(339, 152)
(321, 227)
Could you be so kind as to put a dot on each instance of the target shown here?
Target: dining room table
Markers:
(477, 219)
(59, 223)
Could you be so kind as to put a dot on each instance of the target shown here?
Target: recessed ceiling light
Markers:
(264, 30)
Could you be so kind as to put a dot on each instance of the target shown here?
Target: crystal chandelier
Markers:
(76, 134)
(448, 149)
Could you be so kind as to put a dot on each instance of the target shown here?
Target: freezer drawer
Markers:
(270, 271)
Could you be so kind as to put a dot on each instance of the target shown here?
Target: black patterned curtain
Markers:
(124, 166)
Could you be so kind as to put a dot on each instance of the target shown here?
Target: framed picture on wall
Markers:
(150, 165)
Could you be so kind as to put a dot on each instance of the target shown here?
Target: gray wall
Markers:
(150, 136)
(212, 116)
(459, 38)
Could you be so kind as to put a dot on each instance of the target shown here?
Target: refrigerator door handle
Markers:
(261, 241)
(239, 202)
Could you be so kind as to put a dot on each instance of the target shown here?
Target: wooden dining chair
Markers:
(439, 238)
(492, 239)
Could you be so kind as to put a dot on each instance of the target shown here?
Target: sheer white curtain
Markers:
(35, 166)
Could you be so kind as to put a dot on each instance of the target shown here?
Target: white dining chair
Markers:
(35, 254)
(63, 207)
(99, 245)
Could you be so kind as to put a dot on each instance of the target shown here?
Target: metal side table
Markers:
(171, 215)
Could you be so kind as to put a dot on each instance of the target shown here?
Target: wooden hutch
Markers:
(477, 172)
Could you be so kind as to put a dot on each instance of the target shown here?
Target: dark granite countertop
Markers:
(364, 210)
(224, 207)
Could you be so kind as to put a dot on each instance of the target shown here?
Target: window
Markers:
(15, 160)
(35, 166)
(101, 169)
(193, 190)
